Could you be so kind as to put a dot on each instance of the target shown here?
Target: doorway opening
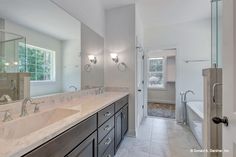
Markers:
(161, 83)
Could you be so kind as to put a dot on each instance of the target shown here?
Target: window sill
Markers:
(157, 89)
(42, 82)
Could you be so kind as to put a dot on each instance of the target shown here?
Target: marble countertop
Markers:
(86, 107)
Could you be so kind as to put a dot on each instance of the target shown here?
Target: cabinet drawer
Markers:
(120, 103)
(65, 142)
(106, 142)
(105, 129)
(110, 151)
(105, 114)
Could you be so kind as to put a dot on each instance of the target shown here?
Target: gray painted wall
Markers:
(120, 39)
(91, 44)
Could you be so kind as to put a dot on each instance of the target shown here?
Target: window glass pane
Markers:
(40, 76)
(47, 69)
(155, 65)
(31, 52)
(47, 58)
(22, 60)
(47, 76)
(31, 68)
(40, 55)
(156, 80)
(22, 68)
(21, 51)
(32, 76)
(37, 61)
(40, 68)
(31, 60)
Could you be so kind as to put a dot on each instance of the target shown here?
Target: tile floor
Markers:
(160, 138)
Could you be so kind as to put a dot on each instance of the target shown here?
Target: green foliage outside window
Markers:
(38, 61)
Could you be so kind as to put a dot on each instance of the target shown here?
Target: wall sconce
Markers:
(92, 59)
(114, 57)
(121, 66)
(6, 64)
(15, 63)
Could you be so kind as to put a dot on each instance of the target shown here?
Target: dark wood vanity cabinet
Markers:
(98, 136)
(121, 125)
(88, 148)
(64, 143)
(118, 129)
(121, 121)
(124, 120)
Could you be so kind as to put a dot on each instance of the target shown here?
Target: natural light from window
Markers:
(156, 74)
(39, 62)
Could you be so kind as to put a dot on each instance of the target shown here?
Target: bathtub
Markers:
(195, 118)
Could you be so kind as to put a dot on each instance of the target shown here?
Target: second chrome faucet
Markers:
(24, 111)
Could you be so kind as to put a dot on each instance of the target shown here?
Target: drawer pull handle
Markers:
(107, 128)
(107, 114)
(108, 141)
(108, 155)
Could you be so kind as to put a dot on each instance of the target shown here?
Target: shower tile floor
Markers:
(161, 110)
(159, 137)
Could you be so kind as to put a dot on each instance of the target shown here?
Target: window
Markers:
(39, 62)
(156, 74)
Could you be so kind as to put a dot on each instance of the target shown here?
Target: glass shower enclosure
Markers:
(11, 54)
(216, 27)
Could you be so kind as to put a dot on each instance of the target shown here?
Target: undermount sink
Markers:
(26, 125)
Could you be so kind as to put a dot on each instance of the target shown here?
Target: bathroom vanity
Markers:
(97, 136)
(97, 132)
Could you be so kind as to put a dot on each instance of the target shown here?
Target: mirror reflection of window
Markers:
(156, 73)
(39, 62)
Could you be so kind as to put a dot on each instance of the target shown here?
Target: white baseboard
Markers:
(161, 101)
(131, 133)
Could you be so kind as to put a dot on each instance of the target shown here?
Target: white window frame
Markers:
(163, 72)
(53, 65)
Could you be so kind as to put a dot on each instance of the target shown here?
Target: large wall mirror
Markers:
(44, 50)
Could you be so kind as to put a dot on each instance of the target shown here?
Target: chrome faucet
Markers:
(101, 90)
(24, 111)
(185, 94)
(7, 116)
(5, 98)
(75, 88)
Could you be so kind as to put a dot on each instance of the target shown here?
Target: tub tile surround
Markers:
(85, 103)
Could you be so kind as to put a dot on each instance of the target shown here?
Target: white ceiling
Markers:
(168, 12)
(41, 15)
(152, 12)
(109, 4)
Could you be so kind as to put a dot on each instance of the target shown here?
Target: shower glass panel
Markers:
(216, 23)
(11, 54)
